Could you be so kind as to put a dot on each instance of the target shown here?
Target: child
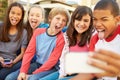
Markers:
(106, 19)
(77, 38)
(13, 37)
(106, 16)
(47, 44)
(35, 17)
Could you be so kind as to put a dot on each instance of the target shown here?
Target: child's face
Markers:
(35, 17)
(104, 22)
(15, 15)
(57, 23)
(83, 24)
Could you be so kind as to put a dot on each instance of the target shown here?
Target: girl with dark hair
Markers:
(13, 37)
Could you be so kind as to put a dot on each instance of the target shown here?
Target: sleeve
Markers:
(62, 58)
(54, 57)
(29, 53)
(24, 39)
(93, 41)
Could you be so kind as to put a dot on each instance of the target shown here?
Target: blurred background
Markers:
(47, 5)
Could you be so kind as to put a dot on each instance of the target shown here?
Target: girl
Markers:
(13, 37)
(35, 17)
(77, 38)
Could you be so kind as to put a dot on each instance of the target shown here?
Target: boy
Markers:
(106, 18)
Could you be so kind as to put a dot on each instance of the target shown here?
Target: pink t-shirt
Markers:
(76, 48)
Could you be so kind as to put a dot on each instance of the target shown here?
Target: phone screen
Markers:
(7, 61)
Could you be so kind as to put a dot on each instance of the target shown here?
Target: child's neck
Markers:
(51, 32)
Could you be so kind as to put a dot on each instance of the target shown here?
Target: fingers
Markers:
(22, 76)
(109, 59)
(109, 53)
(99, 75)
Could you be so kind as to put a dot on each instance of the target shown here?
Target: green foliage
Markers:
(3, 6)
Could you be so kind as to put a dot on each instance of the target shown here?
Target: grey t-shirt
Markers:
(9, 49)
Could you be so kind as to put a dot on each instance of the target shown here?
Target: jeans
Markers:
(5, 71)
(52, 76)
(14, 75)
(41, 74)
(33, 67)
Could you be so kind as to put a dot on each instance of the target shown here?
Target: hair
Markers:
(108, 5)
(59, 10)
(79, 12)
(6, 24)
(27, 25)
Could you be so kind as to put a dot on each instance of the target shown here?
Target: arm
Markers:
(112, 59)
(54, 57)
(30, 51)
(24, 43)
(19, 57)
(28, 55)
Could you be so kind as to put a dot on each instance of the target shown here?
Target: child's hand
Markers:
(112, 68)
(83, 76)
(22, 76)
(1, 59)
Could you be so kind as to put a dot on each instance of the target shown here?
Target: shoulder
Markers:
(39, 31)
(24, 31)
(94, 38)
(118, 29)
(60, 35)
(43, 25)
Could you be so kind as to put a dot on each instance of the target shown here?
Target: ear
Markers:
(118, 19)
(49, 20)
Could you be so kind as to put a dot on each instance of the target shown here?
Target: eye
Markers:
(104, 19)
(86, 20)
(64, 20)
(38, 16)
(57, 18)
(18, 14)
(12, 12)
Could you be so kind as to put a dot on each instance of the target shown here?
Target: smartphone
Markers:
(76, 62)
(7, 61)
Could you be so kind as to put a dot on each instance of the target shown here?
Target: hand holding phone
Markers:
(7, 61)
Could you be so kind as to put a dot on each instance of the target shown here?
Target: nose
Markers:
(60, 21)
(34, 17)
(97, 24)
(81, 22)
